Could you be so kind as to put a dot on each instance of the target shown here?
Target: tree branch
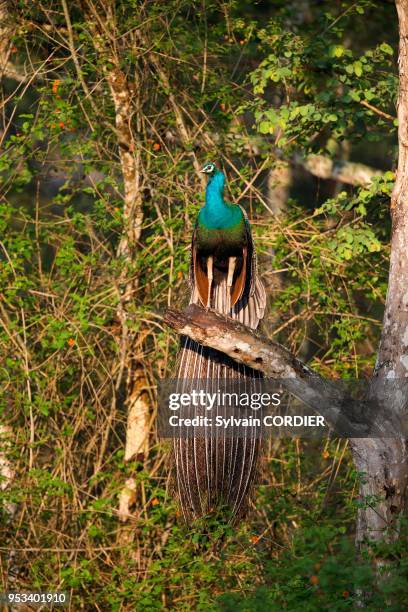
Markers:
(350, 173)
(329, 399)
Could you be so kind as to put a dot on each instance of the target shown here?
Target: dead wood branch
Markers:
(241, 344)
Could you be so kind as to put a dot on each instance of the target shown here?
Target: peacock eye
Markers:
(208, 168)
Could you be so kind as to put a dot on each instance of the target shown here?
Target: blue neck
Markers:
(216, 214)
(214, 193)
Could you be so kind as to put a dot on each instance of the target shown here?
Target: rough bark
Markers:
(385, 462)
(137, 400)
(130, 162)
(7, 470)
(237, 341)
(6, 31)
(127, 498)
(137, 431)
(7, 28)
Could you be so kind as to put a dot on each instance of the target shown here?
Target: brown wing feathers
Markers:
(200, 278)
(241, 278)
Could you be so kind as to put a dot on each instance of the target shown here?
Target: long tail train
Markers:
(218, 471)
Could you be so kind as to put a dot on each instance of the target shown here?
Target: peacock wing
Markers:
(198, 276)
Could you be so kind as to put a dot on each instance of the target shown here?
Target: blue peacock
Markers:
(211, 472)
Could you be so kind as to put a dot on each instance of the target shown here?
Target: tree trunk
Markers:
(383, 462)
(125, 96)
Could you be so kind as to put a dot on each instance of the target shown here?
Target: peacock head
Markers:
(209, 168)
(215, 176)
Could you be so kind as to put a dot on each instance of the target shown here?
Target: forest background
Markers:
(108, 110)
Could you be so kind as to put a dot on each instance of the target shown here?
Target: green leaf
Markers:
(358, 68)
(336, 51)
(386, 48)
(264, 127)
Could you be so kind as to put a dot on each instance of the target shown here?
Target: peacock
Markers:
(218, 471)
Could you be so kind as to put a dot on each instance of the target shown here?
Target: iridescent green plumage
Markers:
(221, 227)
(222, 244)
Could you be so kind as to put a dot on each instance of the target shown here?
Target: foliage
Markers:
(254, 85)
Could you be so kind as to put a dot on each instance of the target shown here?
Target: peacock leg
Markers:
(210, 262)
(232, 262)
